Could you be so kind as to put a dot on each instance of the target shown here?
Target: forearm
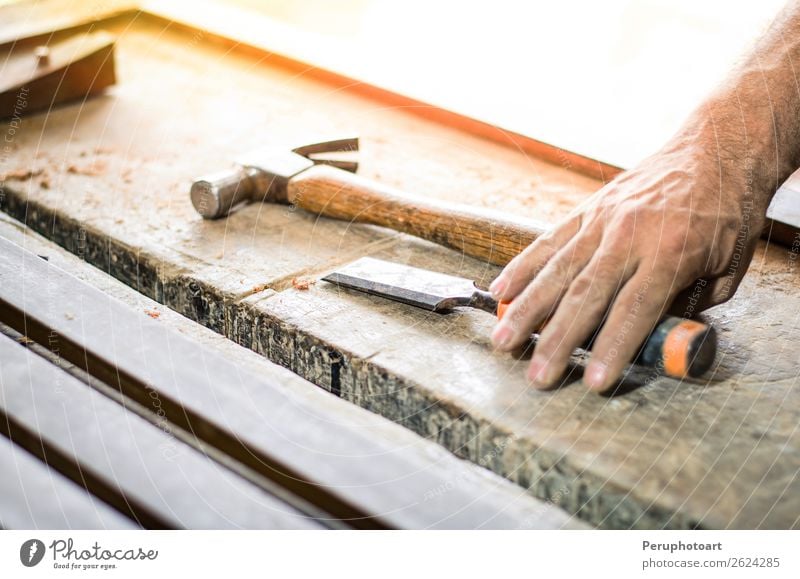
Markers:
(751, 123)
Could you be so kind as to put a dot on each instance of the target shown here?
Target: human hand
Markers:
(622, 259)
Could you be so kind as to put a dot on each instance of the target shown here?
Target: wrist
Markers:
(735, 146)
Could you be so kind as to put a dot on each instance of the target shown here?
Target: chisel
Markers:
(678, 347)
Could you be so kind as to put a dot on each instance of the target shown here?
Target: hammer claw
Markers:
(343, 145)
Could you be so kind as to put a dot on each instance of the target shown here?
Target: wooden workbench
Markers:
(109, 181)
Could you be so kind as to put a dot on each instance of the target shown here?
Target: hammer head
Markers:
(264, 175)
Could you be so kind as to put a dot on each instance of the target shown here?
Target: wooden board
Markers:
(75, 69)
(716, 453)
(137, 467)
(280, 437)
(495, 492)
(33, 496)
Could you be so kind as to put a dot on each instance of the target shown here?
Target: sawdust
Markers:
(20, 174)
(258, 288)
(302, 284)
(155, 314)
(24, 340)
(94, 169)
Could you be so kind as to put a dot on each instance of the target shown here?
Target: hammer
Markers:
(304, 177)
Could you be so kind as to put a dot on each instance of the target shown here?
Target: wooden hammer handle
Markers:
(482, 234)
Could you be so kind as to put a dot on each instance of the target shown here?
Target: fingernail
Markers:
(537, 372)
(497, 286)
(595, 375)
(501, 336)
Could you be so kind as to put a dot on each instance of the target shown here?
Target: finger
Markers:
(722, 288)
(637, 309)
(525, 266)
(578, 315)
(538, 300)
(694, 298)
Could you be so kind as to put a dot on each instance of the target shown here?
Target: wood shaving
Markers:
(94, 169)
(302, 284)
(155, 314)
(20, 174)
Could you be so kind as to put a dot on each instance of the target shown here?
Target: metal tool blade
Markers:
(785, 204)
(422, 288)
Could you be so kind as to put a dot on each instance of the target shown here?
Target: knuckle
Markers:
(559, 269)
(581, 288)
(549, 342)
(523, 307)
(675, 244)
(623, 225)
(723, 290)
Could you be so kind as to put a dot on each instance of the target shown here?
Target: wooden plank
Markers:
(719, 452)
(34, 496)
(394, 440)
(75, 69)
(334, 466)
(138, 468)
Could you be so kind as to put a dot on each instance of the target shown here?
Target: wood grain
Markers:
(482, 234)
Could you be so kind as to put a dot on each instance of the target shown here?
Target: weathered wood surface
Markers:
(389, 477)
(33, 496)
(718, 453)
(137, 467)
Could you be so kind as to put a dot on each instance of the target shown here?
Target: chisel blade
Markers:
(785, 204)
(411, 285)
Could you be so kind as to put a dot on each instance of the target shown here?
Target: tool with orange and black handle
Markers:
(677, 346)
